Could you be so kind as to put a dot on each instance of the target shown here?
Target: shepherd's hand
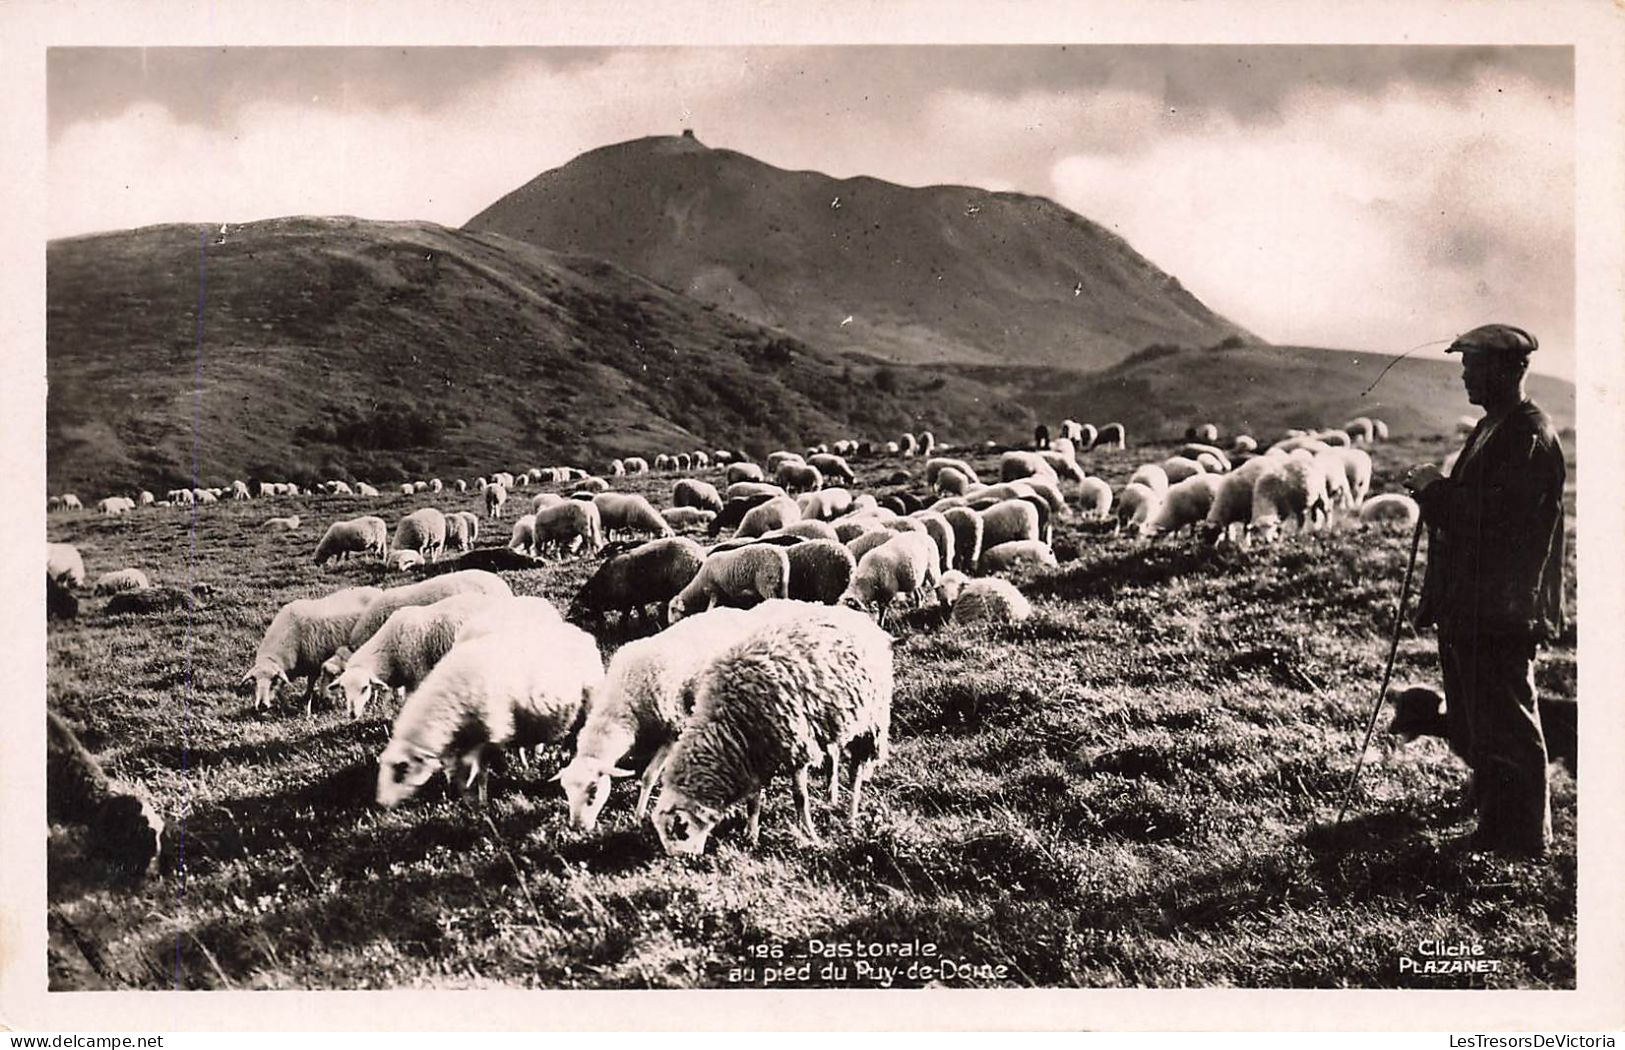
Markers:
(1421, 476)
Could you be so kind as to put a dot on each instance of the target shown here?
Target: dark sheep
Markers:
(651, 573)
(155, 600)
(733, 512)
(1040, 436)
(60, 602)
(1419, 711)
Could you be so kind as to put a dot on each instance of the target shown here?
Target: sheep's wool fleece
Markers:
(777, 700)
(991, 601)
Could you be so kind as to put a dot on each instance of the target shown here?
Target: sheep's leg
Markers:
(651, 776)
(753, 816)
(834, 774)
(804, 803)
(859, 777)
(310, 693)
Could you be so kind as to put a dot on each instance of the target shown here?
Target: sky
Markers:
(1368, 198)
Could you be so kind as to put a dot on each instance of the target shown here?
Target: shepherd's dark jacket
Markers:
(1495, 532)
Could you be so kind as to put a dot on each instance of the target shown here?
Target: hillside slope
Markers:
(1260, 390)
(940, 273)
(337, 347)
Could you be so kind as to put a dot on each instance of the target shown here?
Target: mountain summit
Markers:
(918, 275)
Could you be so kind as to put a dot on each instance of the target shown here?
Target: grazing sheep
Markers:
(905, 565)
(364, 535)
(1185, 506)
(745, 489)
(626, 512)
(617, 469)
(523, 536)
(1017, 554)
(404, 650)
(1334, 438)
(496, 494)
(407, 488)
(688, 517)
(459, 536)
(825, 504)
(941, 533)
(743, 471)
(1062, 466)
(951, 480)
(71, 502)
(854, 525)
(1379, 430)
(424, 592)
(990, 602)
(125, 831)
(1070, 430)
(1357, 471)
(1016, 465)
(937, 464)
(563, 524)
(592, 485)
(114, 505)
(1095, 498)
(740, 577)
(734, 511)
(401, 560)
(546, 499)
(650, 574)
(805, 529)
(1233, 503)
(1420, 711)
(1390, 507)
(1152, 477)
(779, 458)
(1208, 432)
(864, 542)
(1112, 435)
(820, 571)
(519, 687)
(1286, 488)
(1043, 488)
(1243, 444)
(1010, 519)
(663, 462)
(927, 442)
(285, 524)
(424, 531)
(699, 494)
(968, 534)
(796, 692)
(1136, 505)
(121, 580)
(1360, 430)
(1178, 468)
(640, 708)
(775, 514)
(301, 637)
(64, 564)
(1040, 436)
(635, 465)
(832, 466)
(799, 477)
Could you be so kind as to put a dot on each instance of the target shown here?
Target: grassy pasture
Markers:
(1132, 789)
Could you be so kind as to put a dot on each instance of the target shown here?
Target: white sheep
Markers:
(459, 537)
(1233, 502)
(1015, 465)
(525, 614)
(283, 524)
(424, 592)
(514, 688)
(687, 517)
(744, 489)
(405, 649)
(407, 488)
(825, 504)
(640, 709)
(1390, 507)
(121, 580)
(1136, 505)
(496, 494)
(807, 529)
(799, 477)
(364, 535)
(937, 464)
(64, 564)
(1062, 465)
(1095, 498)
(1357, 469)
(1014, 554)
(952, 481)
(1243, 443)
(741, 577)
(563, 524)
(990, 602)
(1011, 519)
(1186, 505)
(401, 560)
(866, 541)
(71, 502)
(776, 513)
(903, 566)
(1287, 487)
(302, 636)
(796, 692)
(424, 531)
(1332, 469)
(941, 533)
(743, 471)
(690, 492)
(1178, 468)
(627, 512)
(523, 536)
(968, 536)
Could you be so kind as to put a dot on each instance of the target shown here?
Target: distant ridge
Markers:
(933, 274)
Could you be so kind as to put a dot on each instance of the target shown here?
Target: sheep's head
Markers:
(1418, 711)
(401, 771)
(265, 679)
(127, 834)
(684, 826)
(675, 610)
(355, 689)
(586, 786)
(1264, 529)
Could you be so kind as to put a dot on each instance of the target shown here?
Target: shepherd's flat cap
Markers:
(1498, 338)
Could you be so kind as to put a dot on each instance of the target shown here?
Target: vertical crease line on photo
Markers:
(191, 609)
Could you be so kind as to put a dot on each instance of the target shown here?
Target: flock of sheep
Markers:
(770, 655)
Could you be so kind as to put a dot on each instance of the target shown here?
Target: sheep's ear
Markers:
(556, 777)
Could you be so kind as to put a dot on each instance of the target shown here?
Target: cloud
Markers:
(1368, 223)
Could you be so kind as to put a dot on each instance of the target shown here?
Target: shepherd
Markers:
(1494, 587)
